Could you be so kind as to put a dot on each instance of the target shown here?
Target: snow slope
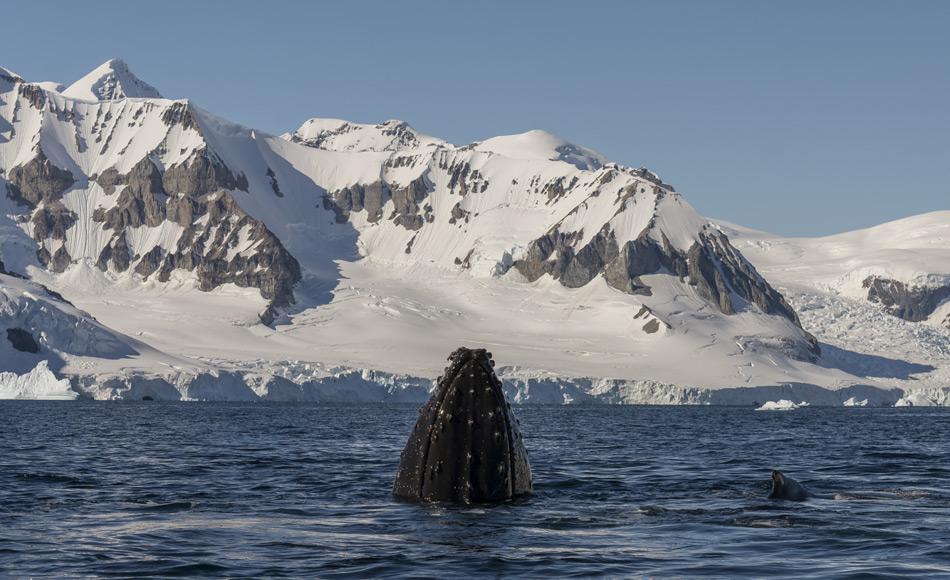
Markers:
(913, 250)
(824, 279)
(370, 252)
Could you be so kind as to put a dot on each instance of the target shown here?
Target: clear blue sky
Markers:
(796, 117)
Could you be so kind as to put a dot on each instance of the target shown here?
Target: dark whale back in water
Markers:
(784, 487)
(465, 446)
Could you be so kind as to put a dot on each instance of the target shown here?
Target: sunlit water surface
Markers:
(119, 489)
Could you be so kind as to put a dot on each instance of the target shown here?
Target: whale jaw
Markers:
(784, 487)
(466, 446)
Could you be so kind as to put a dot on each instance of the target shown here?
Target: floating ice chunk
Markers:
(855, 402)
(782, 405)
(39, 384)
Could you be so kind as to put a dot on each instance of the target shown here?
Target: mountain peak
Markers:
(541, 145)
(110, 81)
(340, 135)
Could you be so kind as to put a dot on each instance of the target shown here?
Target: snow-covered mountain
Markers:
(375, 247)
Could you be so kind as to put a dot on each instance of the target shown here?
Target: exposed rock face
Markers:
(220, 243)
(273, 182)
(718, 272)
(51, 221)
(200, 175)
(356, 198)
(372, 197)
(117, 253)
(57, 262)
(268, 267)
(108, 180)
(724, 269)
(554, 254)
(38, 181)
(912, 303)
(22, 340)
(180, 114)
(33, 94)
(142, 201)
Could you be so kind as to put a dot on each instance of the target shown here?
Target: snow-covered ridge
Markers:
(340, 135)
(543, 146)
(9, 76)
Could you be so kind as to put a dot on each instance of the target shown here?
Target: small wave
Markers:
(56, 478)
(167, 507)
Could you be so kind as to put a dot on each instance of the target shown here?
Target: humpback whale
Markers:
(784, 487)
(465, 446)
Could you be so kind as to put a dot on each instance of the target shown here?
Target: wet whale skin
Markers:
(465, 446)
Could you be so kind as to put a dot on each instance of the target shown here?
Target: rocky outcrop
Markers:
(720, 272)
(38, 181)
(108, 180)
(51, 221)
(116, 253)
(712, 266)
(180, 114)
(554, 254)
(220, 243)
(210, 247)
(358, 197)
(372, 197)
(273, 183)
(912, 303)
(56, 262)
(201, 174)
(33, 94)
(644, 256)
(142, 201)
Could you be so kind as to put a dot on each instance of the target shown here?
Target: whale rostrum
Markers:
(784, 487)
(466, 446)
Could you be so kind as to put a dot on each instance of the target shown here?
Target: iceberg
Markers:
(38, 384)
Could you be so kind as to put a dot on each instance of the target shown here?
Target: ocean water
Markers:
(165, 489)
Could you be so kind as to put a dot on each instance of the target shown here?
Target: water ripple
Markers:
(177, 489)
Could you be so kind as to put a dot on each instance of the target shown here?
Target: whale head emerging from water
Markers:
(784, 487)
(465, 446)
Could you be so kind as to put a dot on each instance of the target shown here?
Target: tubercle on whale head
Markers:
(465, 446)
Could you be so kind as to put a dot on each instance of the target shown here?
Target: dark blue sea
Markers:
(192, 489)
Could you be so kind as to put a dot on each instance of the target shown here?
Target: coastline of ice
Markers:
(287, 382)
(280, 384)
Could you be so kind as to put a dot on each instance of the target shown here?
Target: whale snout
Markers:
(466, 446)
(786, 488)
